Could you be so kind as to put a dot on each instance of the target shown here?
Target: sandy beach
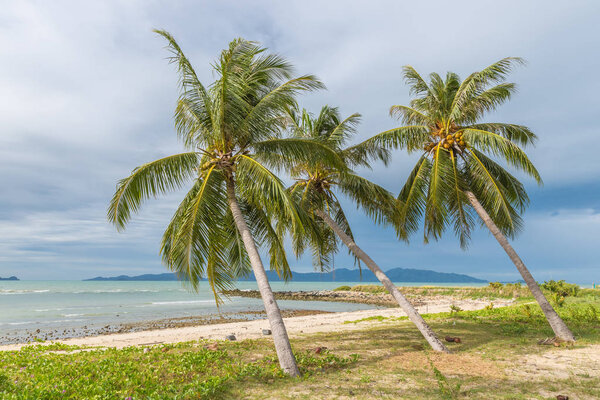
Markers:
(296, 326)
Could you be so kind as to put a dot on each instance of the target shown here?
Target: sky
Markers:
(88, 95)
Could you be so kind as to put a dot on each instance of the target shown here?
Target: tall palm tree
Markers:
(318, 182)
(456, 169)
(232, 133)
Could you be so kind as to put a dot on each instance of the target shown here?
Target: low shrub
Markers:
(344, 288)
(561, 288)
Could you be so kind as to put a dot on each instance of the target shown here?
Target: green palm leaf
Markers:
(150, 180)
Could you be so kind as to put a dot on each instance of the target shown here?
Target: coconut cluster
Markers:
(452, 140)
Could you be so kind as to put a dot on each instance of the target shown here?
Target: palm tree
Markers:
(232, 134)
(456, 169)
(315, 190)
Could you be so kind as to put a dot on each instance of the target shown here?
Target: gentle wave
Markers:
(114, 291)
(182, 302)
(22, 291)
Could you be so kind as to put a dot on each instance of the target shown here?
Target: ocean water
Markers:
(26, 306)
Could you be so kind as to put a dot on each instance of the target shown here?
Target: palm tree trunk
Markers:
(558, 326)
(408, 308)
(287, 360)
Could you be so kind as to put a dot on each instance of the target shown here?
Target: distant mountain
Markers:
(146, 277)
(12, 278)
(339, 275)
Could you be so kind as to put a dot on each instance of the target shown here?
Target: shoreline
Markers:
(296, 326)
(33, 336)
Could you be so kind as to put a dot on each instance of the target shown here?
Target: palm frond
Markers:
(377, 202)
(413, 198)
(258, 123)
(409, 137)
(410, 116)
(418, 85)
(436, 213)
(491, 194)
(477, 81)
(500, 146)
(283, 153)
(515, 133)
(150, 180)
(194, 107)
(458, 204)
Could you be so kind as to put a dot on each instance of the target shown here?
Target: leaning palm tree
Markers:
(456, 173)
(315, 190)
(232, 133)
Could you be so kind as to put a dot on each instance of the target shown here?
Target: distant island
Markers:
(339, 275)
(12, 278)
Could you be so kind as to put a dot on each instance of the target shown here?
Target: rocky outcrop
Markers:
(379, 299)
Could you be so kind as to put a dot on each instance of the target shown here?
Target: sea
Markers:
(28, 307)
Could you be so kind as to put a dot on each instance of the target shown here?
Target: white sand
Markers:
(296, 326)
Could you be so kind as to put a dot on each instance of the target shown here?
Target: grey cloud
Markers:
(90, 96)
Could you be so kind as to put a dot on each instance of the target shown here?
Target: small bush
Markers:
(558, 299)
(455, 309)
(584, 314)
(369, 289)
(561, 288)
(496, 285)
(342, 288)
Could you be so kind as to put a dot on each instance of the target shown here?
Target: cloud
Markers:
(90, 96)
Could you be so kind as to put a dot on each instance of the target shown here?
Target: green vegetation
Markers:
(561, 288)
(235, 203)
(342, 288)
(374, 289)
(462, 170)
(506, 291)
(447, 390)
(379, 358)
(186, 370)
(320, 185)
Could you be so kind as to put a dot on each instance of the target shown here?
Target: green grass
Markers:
(185, 370)
(506, 291)
(494, 290)
(379, 358)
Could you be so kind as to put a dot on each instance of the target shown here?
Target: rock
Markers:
(266, 332)
(562, 397)
(319, 350)
(453, 339)
(213, 346)
(230, 337)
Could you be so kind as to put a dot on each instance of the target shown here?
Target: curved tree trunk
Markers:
(287, 361)
(408, 308)
(558, 326)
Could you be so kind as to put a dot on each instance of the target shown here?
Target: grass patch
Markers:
(376, 360)
(379, 318)
(553, 290)
(183, 371)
